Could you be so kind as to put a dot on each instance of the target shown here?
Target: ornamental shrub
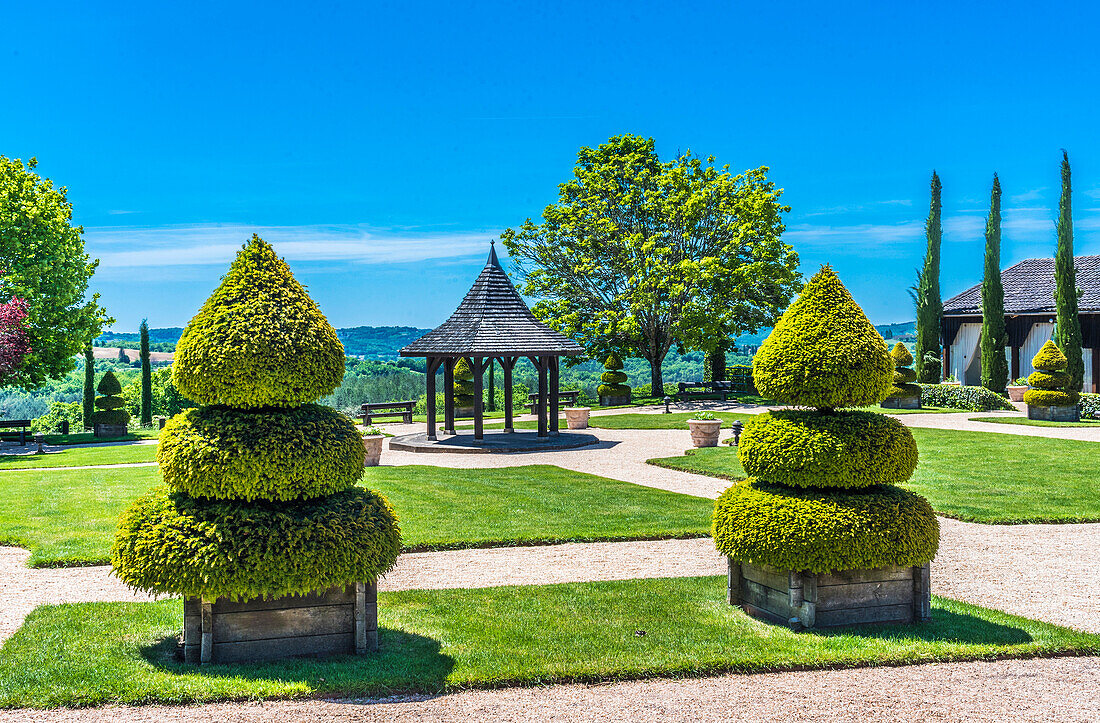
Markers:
(260, 498)
(953, 396)
(1050, 382)
(904, 377)
(824, 352)
(612, 379)
(259, 340)
(1090, 406)
(110, 407)
(819, 494)
(464, 384)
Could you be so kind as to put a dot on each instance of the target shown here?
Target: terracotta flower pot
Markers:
(577, 417)
(1016, 394)
(704, 432)
(372, 450)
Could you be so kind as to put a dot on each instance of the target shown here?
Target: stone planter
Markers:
(619, 401)
(372, 450)
(848, 597)
(900, 403)
(1016, 394)
(464, 412)
(577, 417)
(705, 432)
(336, 621)
(110, 430)
(1054, 414)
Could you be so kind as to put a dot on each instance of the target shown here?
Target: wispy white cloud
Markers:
(128, 247)
(118, 212)
(897, 202)
(1033, 195)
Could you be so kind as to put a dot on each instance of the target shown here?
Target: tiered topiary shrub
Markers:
(110, 418)
(612, 391)
(260, 526)
(904, 394)
(1050, 396)
(464, 389)
(818, 535)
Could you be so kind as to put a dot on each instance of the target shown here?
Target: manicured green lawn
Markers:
(67, 517)
(975, 476)
(90, 438)
(1037, 422)
(446, 640)
(79, 456)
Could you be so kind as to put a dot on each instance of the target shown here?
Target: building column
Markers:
(449, 396)
(433, 366)
(477, 365)
(1015, 365)
(508, 363)
(552, 362)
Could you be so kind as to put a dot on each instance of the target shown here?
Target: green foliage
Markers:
(259, 340)
(220, 453)
(43, 261)
(613, 362)
(88, 402)
(1050, 398)
(901, 356)
(1049, 359)
(463, 384)
(704, 417)
(994, 336)
(824, 352)
(109, 385)
(1048, 380)
(59, 412)
(110, 406)
(172, 543)
(146, 378)
(1068, 328)
(1090, 406)
(974, 399)
(904, 377)
(613, 377)
(1052, 384)
(926, 296)
(640, 255)
(822, 531)
(846, 449)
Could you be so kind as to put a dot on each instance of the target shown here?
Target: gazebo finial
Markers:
(493, 253)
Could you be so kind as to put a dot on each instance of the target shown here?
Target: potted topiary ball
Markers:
(372, 446)
(464, 389)
(612, 391)
(110, 418)
(1050, 397)
(819, 534)
(705, 429)
(904, 394)
(260, 526)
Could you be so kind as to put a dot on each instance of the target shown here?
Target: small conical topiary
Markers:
(1050, 382)
(110, 407)
(464, 384)
(820, 494)
(259, 340)
(824, 352)
(612, 379)
(904, 376)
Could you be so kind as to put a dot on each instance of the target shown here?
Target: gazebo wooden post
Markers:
(433, 366)
(552, 362)
(540, 364)
(508, 363)
(448, 396)
(477, 365)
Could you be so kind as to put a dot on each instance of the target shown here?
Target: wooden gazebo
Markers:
(493, 324)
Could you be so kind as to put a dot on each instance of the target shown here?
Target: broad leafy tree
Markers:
(14, 345)
(43, 261)
(1068, 331)
(927, 294)
(640, 254)
(994, 332)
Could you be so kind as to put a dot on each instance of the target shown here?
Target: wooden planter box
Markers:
(618, 401)
(900, 403)
(849, 597)
(1054, 414)
(337, 621)
(110, 430)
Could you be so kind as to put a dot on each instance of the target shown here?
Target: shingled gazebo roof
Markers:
(1029, 289)
(492, 321)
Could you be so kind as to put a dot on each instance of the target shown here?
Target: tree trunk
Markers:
(656, 380)
(718, 366)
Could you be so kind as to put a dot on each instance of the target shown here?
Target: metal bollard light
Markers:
(38, 438)
(737, 427)
(668, 400)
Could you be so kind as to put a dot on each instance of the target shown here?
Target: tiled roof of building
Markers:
(1029, 289)
(492, 320)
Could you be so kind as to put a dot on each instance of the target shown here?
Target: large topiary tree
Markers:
(464, 387)
(611, 381)
(1051, 384)
(903, 393)
(820, 495)
(260, 496)
(110, 406)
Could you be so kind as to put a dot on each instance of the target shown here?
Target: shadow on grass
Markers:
(946, 627)
(404, 663)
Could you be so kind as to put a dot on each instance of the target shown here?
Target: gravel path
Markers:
(1061, 689)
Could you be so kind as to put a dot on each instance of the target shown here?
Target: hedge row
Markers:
(844, 449)
(974, 399)
(221, 453)
(822, 531)
(172, 543)
(1090, 406)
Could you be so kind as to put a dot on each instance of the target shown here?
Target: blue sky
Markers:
(380, 146)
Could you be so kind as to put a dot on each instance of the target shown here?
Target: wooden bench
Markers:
(24, 426)
(369, 412)
(698, 390)
(571, 396)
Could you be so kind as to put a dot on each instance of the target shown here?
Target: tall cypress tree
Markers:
(994, 333)
(89, 385)
(927, 297)
(146, 378)
(1068, 333)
